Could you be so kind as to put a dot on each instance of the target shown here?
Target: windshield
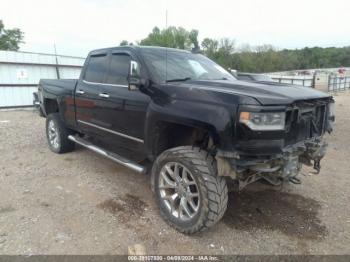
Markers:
(182, 66)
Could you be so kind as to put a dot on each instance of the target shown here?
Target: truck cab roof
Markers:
(136, 48)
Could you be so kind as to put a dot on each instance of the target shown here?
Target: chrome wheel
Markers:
(179, 191)
(53, 134)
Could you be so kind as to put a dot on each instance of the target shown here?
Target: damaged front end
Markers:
(306, 127)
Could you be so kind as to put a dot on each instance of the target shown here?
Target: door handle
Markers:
(81, 92)
(103, 95)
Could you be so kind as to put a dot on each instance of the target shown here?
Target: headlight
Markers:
(263, 121)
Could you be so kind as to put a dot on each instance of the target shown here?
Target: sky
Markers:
(78, 26)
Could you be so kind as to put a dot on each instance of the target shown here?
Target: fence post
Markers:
(335, 83)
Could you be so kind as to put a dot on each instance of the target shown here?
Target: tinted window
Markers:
(168, 65)
(119, 69)
(96, 68)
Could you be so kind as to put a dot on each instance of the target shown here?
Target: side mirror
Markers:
(134, 78)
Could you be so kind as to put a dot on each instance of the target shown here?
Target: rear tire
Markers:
(57, 134)
(194, 199)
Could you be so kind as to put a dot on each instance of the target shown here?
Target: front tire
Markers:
(190, 195)
(57, 134)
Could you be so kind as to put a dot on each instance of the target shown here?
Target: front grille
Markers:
(306, 120)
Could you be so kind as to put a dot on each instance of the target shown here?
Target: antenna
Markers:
(166, 48)
(57, 69)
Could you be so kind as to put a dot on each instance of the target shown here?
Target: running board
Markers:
(113, 156)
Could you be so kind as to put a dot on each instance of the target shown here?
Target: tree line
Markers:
(246, 58)
(10, 39)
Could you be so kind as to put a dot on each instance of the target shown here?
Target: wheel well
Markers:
(170, 135)
(51, 106)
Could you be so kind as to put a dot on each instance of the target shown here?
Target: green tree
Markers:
(124, 42)
(10, 39)
(175, 37)
(260, 59)
(210, 47)
(193, 37)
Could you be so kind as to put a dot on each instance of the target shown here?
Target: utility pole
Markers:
(57, 66)
(166, 48)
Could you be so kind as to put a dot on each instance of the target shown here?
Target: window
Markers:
(96, 68)
(119, 69)
(168, 65)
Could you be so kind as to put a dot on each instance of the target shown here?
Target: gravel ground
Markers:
(81, 203)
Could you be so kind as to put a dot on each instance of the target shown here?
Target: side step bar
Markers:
(116, 158)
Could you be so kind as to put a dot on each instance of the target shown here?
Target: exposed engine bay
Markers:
(309, 122)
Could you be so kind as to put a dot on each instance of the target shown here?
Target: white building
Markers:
(20, 73)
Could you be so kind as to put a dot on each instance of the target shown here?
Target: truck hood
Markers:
(264, 93)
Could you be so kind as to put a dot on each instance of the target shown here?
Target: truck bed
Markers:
(62, 92)
(56, 86)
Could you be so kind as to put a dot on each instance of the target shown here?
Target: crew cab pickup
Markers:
(191, 122)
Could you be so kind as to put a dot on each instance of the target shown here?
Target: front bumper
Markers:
(275, 168)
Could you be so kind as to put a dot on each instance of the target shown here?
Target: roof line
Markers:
(140, 47)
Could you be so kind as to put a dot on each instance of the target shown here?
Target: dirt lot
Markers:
(81, 203)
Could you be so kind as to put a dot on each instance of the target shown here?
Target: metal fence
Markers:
(20, 73)
(337, 83)
(323, 82)
(307, 81)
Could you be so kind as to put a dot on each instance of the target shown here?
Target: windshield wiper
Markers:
(179, 79)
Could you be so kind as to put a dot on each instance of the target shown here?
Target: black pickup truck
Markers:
(194, 123)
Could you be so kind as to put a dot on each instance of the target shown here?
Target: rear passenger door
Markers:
(87, 98)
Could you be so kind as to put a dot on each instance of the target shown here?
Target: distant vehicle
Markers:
(341, 72)
(304, 73)
(251, 77)
(195, 122)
